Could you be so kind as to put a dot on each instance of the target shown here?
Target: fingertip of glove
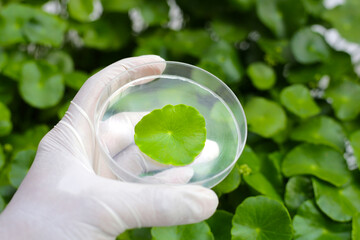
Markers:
(152, 58)
(207, 201)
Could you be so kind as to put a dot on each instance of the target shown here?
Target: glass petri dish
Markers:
(140, 90)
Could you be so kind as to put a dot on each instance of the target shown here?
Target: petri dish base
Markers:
(178, 83)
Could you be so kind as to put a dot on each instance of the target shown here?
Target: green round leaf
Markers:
(281, 17)
(197, 231)
(172, 135)
(249, 158)
(62, 110)
(119, 5)
(16, 175)
(304, 74)
(8, 89)
(314, 7)
(194, 42)
(318, 160)
(356, 226)
(262, 76)
(230, 183)
(155, 12)
(24, 158)
(220, 225)
(222, 58)
(2, 204)
(338, 203)
(261, 218)
(138, 234)
(12, 17)
(320, 130)
(20, 166)
(243, 5)
(309, 47)
(3, 59)
(5, 120)
(345, 18)
(298, 190)
(28, 140)
(355, 143)
(273, 166)
(263, 185)
(81, 9)
(310, 224)
(297, 99)
(253, 171)
(343, 96)
(229, 30)
(20, 23)
(75, 80)
(62, 60)
(41, 86)
(44, 29)
(265, 117)
(277, 51)
(106, 33)
(2, 157)
(14, 64)
(339, 66)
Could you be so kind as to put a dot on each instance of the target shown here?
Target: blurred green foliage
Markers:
(300, 95)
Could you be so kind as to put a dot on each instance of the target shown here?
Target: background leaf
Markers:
(281, 16)
(356, 226)
(338, 203)
(309, 47)
(253, 170)
(75, 79)
(222, 59)
(265, 117)
(228, 30)
(220, 225)
(320, 130)
(343, 96)
(297, 99)
(119, 5)
(2, 204)
(2, 157)
(309, 223)
(355, 143)
(41, 86)
(62, 60)
(198, 231)
(261, 218)
(262, 76)
(21, 23)
(44, 29)
(154, 12)
(298, 190)
(230, 183)
(103, 34)
(277, 51)
(320, 161)
(19, 166)
(342, 17)
(5, 120)
(81, 9)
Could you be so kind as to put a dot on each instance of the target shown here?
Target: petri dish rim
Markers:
(103, 106)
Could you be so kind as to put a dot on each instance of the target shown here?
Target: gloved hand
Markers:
(68, 192)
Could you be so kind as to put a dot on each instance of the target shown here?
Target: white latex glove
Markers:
(65, 196)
